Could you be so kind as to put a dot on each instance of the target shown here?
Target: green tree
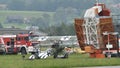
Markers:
(16, 5)
(41, 22)
(1, 25)
(60, 30)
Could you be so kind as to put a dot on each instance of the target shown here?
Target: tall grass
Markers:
(74, 60)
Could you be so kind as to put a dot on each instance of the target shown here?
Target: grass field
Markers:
(74, 60)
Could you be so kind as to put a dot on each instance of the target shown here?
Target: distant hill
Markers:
(51, 5)
(31, 15)
(51, 11)
(47, 13)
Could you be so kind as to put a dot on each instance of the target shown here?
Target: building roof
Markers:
(12, 31)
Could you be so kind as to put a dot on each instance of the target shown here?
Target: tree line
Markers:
(51, 5)
(46, 5)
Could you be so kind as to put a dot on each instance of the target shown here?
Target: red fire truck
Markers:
(14, 44)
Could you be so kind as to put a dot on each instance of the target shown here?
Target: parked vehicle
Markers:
(14, 44)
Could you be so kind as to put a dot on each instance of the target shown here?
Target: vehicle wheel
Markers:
(23, 51)
(55, 55)
(66, 55)
(4, 52)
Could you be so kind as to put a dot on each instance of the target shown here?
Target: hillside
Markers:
(24, 14)
(51, 11)
(52, 5)
(48, 15)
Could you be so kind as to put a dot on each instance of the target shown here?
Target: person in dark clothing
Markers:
(57, 49)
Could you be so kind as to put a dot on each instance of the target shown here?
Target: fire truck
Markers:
(13, 44)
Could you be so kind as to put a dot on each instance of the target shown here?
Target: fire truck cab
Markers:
(14, 44)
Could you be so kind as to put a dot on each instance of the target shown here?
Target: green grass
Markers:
(74, 60)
